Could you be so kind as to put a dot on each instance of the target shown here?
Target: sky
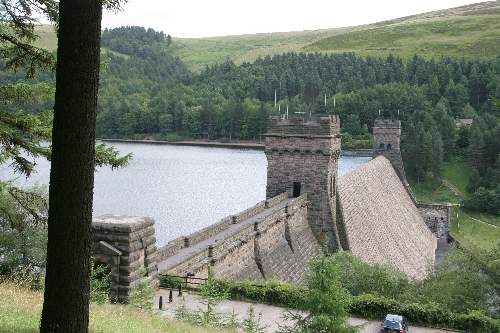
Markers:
(205, 18)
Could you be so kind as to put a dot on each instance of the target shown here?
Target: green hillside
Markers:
(48, 38)
(470, 31)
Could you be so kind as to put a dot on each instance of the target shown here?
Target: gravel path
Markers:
(271, 317)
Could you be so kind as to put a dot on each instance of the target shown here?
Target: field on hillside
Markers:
(468, 36)
(468, 31)
(48, 37)
(20, 313)
(478, 229)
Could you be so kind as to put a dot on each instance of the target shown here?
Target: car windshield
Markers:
(391, 324)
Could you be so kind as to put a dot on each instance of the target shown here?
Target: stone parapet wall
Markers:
(278, 245)
(127, 246)
(437, 218)
(179, 243)
(357, 153)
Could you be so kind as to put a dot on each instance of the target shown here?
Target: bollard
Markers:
(180, 289)
(160, 303)
(170, 298)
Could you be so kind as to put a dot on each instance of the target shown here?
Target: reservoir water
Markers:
(183, 188)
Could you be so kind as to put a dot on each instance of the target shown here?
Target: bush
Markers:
(433, 315)
(360, 277)
(269, 292)
(100, 284)
(484, 200)
(171, 282)
(141, 295)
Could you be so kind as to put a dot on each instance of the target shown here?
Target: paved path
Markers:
(271, 317)
(186, 253)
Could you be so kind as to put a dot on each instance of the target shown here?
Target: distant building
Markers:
(459, 122)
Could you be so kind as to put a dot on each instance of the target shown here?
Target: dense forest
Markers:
(145, 92)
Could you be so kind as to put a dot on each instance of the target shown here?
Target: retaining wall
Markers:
(437, 218)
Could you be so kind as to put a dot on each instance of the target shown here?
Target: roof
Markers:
(464, 122)
(382, 224)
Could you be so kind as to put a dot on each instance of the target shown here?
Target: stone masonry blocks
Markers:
(305, 150)
(125, 244)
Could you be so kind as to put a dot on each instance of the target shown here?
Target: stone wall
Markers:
(305, 151)
(381, 221)
(179, 243)
(277, 244)
(437, 218)
(125, 244)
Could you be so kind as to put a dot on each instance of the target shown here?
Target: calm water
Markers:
(183, 188)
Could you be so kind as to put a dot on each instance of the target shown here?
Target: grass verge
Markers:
(468, 230)
(20, 311)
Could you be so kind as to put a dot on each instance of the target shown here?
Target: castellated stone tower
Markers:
(302, 154)
(387, 138)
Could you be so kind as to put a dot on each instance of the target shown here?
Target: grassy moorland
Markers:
(467, 31)
(20, 313)
(474, 33)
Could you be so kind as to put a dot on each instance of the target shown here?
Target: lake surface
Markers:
(183, 188)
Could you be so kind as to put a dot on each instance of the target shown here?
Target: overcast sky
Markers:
(204, 18)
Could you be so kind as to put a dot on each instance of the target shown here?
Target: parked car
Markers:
(394, 324)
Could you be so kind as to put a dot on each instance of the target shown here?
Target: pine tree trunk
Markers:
(66, 303)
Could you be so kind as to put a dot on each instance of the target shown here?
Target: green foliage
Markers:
(359, 277)
(459, 284)
(20, 310)
(326, 301)
(141, 295)
(23, 235)
(213, 292)
(270, 292)
(474, 229)
(431, 314)
(484, 200)
(170, 282)
(460, 35)
(100, 284)
(251, 324)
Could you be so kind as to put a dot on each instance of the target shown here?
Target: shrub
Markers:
(431, 314)
(170, 282)
(484, 200)
(141, 295)
(100, 284)
(269, 292)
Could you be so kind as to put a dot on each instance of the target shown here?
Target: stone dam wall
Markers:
(437, 218)
(273, 239)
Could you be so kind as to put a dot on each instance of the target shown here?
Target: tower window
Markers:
(381, 146)
(296, 189)
(332, 186)
(389, 147)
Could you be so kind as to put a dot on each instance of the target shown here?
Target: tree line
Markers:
(146, 92)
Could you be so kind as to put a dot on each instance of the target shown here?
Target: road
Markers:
(271, 317)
